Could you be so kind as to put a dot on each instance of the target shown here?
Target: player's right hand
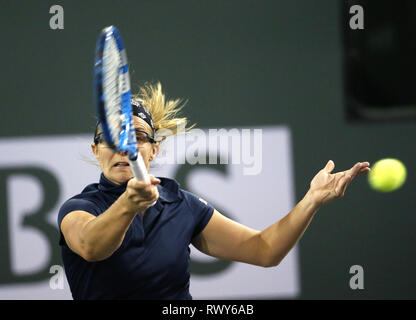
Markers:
(140, 195)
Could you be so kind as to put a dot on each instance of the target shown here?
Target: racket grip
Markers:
(139, 170)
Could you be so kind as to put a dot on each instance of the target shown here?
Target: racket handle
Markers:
(139, 170)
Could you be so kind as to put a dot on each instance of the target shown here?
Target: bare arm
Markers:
(96, 238)
(226, 239)
(279, 238)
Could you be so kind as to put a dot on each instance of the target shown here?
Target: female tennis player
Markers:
(116, 245)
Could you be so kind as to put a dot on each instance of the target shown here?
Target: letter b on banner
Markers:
(14, 224)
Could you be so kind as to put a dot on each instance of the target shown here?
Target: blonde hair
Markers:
(165, 113)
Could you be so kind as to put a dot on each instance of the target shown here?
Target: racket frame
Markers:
(126, 135)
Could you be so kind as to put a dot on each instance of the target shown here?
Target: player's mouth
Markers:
(121, 164)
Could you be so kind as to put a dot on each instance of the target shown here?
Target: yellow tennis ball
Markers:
(387, 175)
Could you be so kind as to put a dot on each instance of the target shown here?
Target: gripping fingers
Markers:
(150, 193)
(141, 190)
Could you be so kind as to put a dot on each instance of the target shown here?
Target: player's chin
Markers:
(122, 174)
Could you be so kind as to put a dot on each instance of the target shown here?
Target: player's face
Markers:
(115, 165)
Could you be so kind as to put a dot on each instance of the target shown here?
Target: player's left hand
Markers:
(327, 186)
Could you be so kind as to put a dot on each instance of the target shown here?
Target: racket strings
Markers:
(111, 88)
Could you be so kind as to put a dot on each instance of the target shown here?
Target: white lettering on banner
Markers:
(256, 200)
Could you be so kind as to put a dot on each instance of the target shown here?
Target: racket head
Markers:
(112, 92)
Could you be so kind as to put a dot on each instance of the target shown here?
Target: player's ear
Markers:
(155, 150)
(94, 149)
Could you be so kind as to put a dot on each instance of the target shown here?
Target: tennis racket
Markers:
(112, 95)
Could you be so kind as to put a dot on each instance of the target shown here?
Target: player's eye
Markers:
(143, 137)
